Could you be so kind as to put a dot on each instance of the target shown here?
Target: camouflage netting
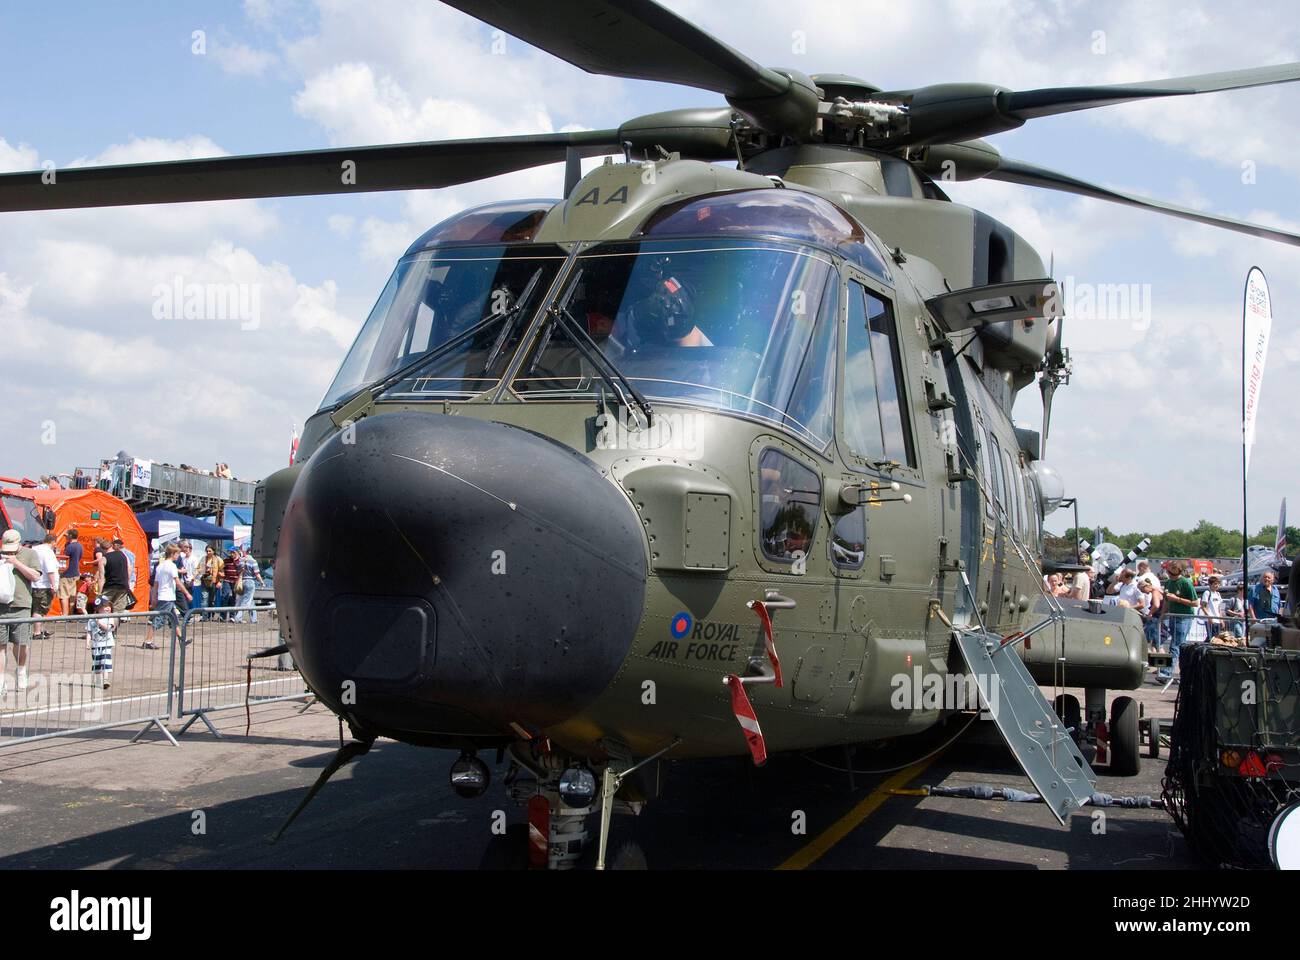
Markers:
(1235, 759)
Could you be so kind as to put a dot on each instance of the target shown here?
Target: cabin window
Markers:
(849, 540)
(876, 423)
(790, 504)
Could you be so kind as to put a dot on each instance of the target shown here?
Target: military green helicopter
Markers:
(712, 456)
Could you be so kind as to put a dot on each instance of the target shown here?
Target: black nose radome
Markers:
(442, 576)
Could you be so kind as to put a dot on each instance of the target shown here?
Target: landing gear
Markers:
(1125, 737)
(1115, 739)
(559, 796)
(1067, 708)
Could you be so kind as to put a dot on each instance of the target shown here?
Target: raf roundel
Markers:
(681, 625)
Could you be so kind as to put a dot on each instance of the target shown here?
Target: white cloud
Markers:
(242, 60)
(355, 106)
(18, 159)
(1146, 431)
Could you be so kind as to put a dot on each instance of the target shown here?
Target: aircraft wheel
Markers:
(1124, 738)
(1066, 706)
(1153, 743)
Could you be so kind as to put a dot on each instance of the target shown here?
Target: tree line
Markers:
(1206, 539)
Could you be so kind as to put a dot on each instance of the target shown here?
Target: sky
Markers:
(1147, 434)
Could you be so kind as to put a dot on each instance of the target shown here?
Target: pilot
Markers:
(666, 316)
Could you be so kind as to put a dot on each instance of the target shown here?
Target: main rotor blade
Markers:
(637, 39)
(1015, 171)
(1028, 104)
(947, 112)
(404, 166)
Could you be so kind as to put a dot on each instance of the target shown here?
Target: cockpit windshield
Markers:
(25, 517)
(738, 325)
(462, 306)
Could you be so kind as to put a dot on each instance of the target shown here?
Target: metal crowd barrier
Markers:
(69, 688)
(1205, 627)
(214, 669)
(162, 670)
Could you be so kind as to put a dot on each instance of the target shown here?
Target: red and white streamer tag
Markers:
(539, 829)
(765, 618)
(748, 720)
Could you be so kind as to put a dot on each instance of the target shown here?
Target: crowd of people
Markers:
(182, 582)
(32, 576)
(1176, 608)
(113, 475)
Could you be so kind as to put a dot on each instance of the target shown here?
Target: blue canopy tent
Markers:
(191, 528)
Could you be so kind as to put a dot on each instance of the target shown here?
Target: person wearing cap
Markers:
(101, 638)
(24, 565)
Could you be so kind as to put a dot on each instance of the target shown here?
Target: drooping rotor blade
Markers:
(946, 112)
(1028, 104)
(637, 39)
(640, 40)
(1015, 171)
(404, 166)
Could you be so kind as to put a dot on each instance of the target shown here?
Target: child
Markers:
(101, 635)
(85, 587)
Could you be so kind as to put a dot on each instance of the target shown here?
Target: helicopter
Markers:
(701, 458)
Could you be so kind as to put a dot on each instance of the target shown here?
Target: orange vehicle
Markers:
(93, 513)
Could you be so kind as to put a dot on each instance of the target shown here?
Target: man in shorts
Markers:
(167, 579)
(26, 571)
(71, 578)
(47, 584)
(117, 583)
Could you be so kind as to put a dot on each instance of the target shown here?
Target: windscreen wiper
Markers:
(609, 371)
(404, 371)
(509, 317)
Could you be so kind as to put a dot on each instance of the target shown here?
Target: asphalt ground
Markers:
(104, 802)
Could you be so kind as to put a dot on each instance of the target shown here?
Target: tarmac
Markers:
(100, 801)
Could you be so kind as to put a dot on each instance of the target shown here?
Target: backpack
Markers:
(8, 583)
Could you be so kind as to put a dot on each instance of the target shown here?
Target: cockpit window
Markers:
(790, 498)
(513, 221)
(735, 325)
(770, 213)
(433, 298)
(25, 516)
